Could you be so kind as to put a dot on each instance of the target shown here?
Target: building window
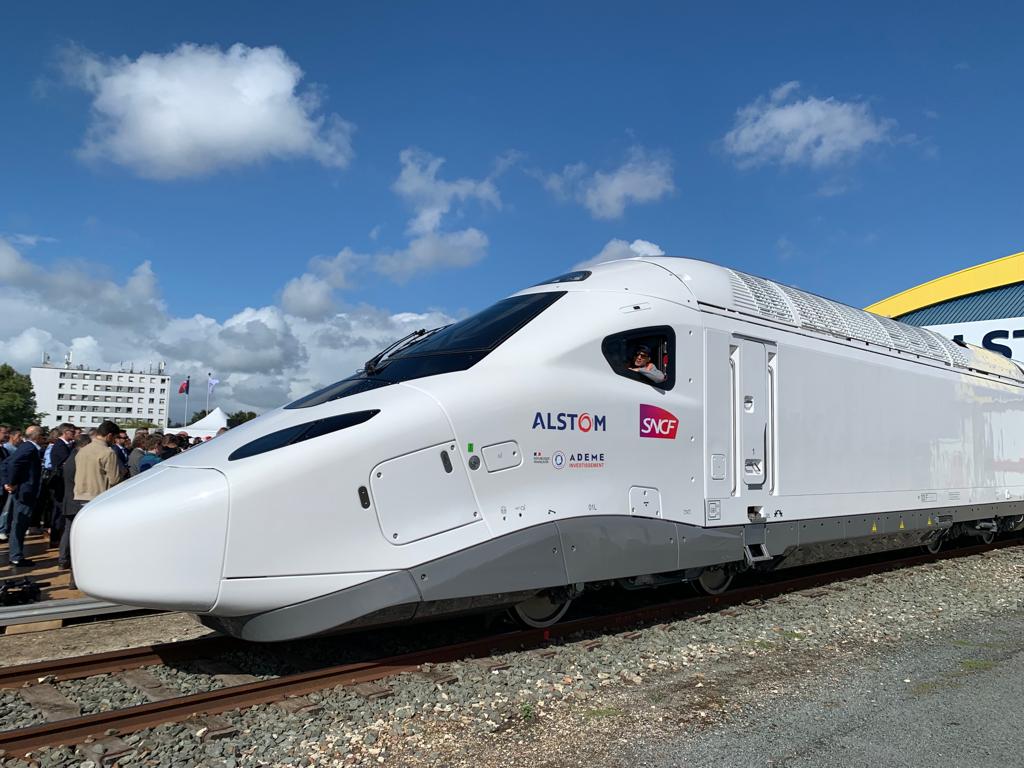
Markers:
(60, 386)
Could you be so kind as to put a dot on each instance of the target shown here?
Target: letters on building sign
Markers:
(991, 340)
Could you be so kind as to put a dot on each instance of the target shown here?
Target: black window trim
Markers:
(462, 359)
(621, 369)
(576, 276)
(298, 433)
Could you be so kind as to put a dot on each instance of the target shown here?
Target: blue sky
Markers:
(397, 162)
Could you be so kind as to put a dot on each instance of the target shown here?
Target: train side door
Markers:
(751, 405)
(740, 428)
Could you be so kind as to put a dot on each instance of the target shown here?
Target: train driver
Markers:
(641, 363)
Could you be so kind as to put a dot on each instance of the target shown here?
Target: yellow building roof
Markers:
(992, 274)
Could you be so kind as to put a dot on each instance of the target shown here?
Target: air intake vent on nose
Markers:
(301, 432)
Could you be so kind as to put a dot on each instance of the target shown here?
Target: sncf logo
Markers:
(657, 422)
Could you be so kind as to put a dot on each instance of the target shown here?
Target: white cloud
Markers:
(832, 188)
(27, 348)
(311, 295)
(643, 178)
(785, 248)
(337, 271)
(620, 249)
(787, 130)
(432, 198)
(199, 109)
(431, 251)
(30, 240)
(307, 296)
(264, 356)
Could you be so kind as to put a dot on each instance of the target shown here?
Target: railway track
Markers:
(169, 709)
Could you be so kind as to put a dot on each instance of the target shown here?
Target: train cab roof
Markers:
(717, 288)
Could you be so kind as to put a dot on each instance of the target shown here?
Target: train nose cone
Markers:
(155, 541)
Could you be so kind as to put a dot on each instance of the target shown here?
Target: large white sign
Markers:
(1003, 336)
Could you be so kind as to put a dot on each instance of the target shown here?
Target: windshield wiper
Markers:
(373, 365)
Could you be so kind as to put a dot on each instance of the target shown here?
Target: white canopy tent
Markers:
(206, 426)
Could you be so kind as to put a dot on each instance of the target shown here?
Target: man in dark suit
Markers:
(71, 507)
(16, 436)
(53, 465)
(24, 478)
(122, 446)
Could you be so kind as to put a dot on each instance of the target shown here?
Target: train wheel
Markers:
(988, 537)
(934, 544)
(541, 611)
(714, 581)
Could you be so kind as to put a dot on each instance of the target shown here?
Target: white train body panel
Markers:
(543, 464)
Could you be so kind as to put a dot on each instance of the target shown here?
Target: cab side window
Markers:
(645, 355)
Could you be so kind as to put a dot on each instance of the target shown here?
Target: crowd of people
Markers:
(46, 477)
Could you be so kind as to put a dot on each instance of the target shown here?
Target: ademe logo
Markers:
(574, 422)
(657, 422)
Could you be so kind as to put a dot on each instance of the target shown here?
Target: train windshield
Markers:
(455, 347)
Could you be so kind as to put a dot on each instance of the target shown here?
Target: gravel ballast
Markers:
(790, 668)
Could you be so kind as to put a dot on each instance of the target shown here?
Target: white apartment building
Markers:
(86, 398)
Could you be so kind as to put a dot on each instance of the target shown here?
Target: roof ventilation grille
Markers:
(771, 302)
(815, 313)
(863, 326)
(741, 294)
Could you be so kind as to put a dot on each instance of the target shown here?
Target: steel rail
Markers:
(70, 608)
(77, 667)
(150, 715)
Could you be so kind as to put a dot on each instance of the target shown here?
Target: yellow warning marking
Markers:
(929, 521)
(902, 526)
(874, 527)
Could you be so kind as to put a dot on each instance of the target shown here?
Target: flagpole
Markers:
(184, 421)
(208, 392)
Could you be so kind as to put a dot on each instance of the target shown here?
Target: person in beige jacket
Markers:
(96, 466)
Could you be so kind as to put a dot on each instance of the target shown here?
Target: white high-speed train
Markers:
(516, 458)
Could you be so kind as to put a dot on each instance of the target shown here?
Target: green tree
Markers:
(197, 416)
(240, 417)
(136, 424)
(17, 398)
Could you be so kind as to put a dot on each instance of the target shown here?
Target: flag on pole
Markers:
(211, 383)
(183, 389)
